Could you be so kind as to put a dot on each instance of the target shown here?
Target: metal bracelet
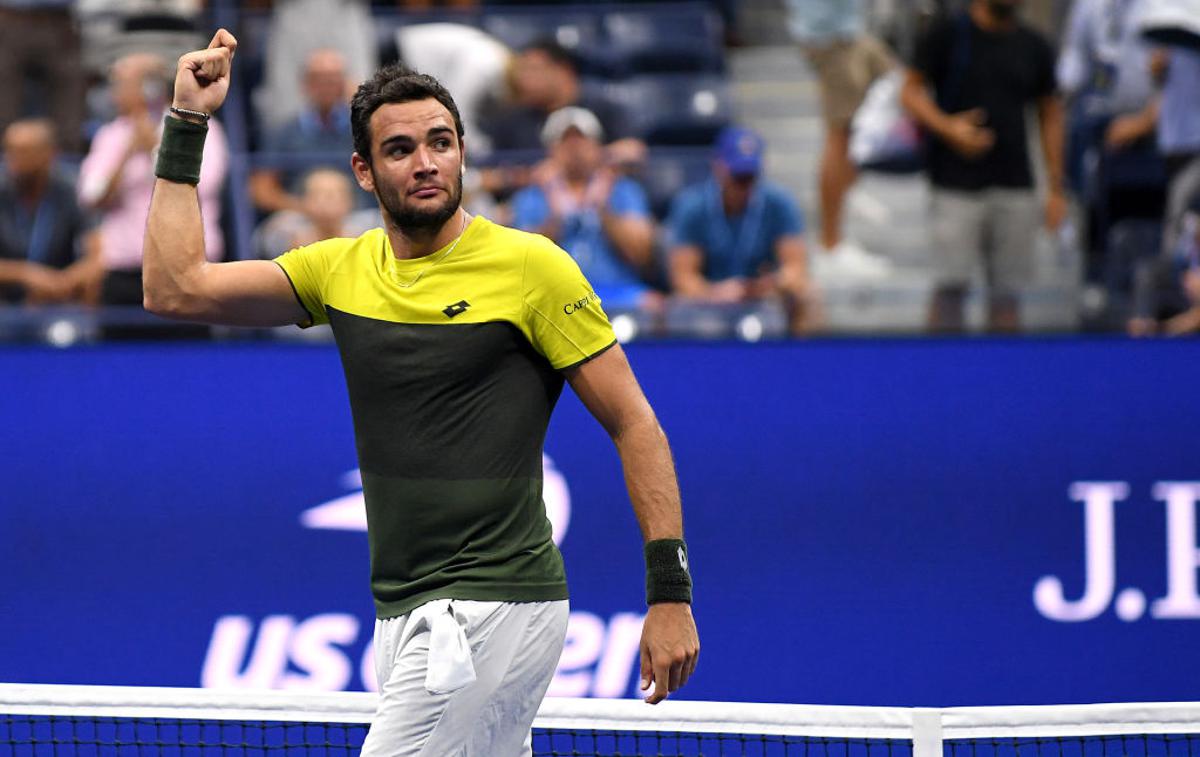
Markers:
(193, 113)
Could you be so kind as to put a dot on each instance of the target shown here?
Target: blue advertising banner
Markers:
(892, 523)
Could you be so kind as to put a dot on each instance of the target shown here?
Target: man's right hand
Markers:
(966, 134)
(44, 284)
(202, 78)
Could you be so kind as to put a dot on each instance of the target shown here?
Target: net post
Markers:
(927, 732)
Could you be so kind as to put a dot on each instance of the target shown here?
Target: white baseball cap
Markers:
(571, 117)
(1172, 22)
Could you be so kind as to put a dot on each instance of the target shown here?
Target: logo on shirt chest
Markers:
(457, 308)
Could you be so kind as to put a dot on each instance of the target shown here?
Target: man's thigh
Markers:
(845, 70)
(1014, 218)
(957, 233)
(514, 650)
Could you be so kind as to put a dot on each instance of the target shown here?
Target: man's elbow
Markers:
(171, 302)
(642, 424)
(168, 306)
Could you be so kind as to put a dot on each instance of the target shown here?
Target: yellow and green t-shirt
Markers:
(452, 363)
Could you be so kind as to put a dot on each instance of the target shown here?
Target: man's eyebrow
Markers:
(402, 139)
(405, 139)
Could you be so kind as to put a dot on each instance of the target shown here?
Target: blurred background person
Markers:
(1178, 132)
(116, 180)
(601, 218)
(42, 227)
(846, 61)
(1184, 276)
(297, 29)
(318, 135)
(738, 237)
(40, 66)
(1112, 163)
(1104, 70)
(470, 63)
(326, 212)
(973, 76)
(1188, 278)
(543, 79)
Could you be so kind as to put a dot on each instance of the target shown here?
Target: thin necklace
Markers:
(440, 258)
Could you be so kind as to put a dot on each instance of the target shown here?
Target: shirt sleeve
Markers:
(562, 314)
(100, 164)
(929, 54)
(1074, 61)
(530, 209)
(307, 269)
(1045, 83)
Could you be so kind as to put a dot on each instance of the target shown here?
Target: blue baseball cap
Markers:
(741, 150)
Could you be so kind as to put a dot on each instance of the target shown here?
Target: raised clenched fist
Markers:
(202, 79)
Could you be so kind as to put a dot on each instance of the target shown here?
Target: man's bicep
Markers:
(608, 389)
(252, 293)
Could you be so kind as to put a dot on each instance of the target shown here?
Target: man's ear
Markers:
(462, 150)
(362, 172)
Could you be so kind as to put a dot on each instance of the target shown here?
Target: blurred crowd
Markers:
(1015, 131)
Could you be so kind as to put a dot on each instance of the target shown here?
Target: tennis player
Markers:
(456, 335)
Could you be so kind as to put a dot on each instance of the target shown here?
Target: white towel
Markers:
(449, 667)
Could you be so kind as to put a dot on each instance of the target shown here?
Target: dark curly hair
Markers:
(394, 83)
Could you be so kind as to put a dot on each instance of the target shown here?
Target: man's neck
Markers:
(987, 21)
(31, 189)
(328, 231)
(417, 243)
(733, 206)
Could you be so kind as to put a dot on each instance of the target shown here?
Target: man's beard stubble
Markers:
(410, 220)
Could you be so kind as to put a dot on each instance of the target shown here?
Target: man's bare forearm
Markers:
(267, 193)
(650, 478)
(1051, 119)
(915, 99)
(173, 255)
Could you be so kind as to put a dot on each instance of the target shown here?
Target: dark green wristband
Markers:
(181, 150)
(667, 576)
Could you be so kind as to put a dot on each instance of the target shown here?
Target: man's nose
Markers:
(424, 161)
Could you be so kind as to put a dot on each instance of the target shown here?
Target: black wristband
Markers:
(667, 576)
(181, 150)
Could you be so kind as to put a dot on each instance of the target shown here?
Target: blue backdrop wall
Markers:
(902, 523)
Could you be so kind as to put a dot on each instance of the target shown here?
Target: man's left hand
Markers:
(670, 647)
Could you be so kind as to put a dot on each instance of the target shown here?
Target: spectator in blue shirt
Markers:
(319, 136)
(42, 228)
(737, 237)
(601, 218)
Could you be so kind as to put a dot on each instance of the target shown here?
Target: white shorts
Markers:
(460, 677)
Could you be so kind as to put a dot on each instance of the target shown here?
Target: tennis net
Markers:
(65, 721)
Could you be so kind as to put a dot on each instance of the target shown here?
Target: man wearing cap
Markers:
(601, 218)
(737, 237)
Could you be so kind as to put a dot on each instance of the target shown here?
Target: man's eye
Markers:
(441, 144)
